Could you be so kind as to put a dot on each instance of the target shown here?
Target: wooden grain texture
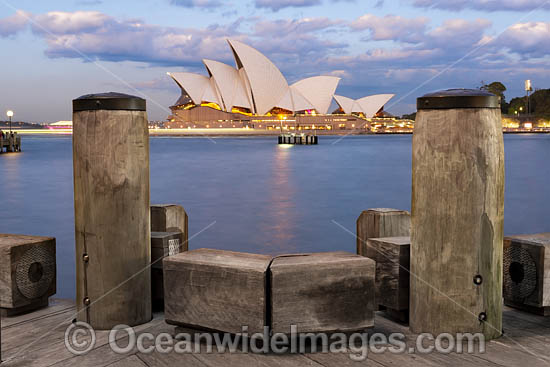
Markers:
(38, 341)
(215, 289)
(392, 257)
(27, 272)
(131, 361)
(322, 292)
(527, 272)
(112, 226)
(457, 221)
(47, 347)
(170, 218)
(54, 306)
(381, 222)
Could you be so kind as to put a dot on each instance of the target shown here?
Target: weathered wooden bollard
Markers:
(112, 224)
(457, 214)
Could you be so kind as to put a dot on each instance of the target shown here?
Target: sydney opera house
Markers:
(255, 94)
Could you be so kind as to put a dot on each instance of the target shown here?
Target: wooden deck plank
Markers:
(24, 333)
(50, 350)
(507, 354)
(340, 359)
(171, 359)
(251, 359)
(19, 337)
(103, 354)
(386, 326)
(132, 361)
(55, 306)
(538, 320)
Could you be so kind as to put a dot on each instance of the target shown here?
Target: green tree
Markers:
(517, 106)
(498, 89)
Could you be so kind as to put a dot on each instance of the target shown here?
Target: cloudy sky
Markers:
(53, 51)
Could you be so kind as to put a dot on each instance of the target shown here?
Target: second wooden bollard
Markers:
(457, 214)
(112, 224)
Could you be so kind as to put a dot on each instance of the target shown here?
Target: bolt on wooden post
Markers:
(111, 199)
(457, 214)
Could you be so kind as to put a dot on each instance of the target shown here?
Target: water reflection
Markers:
(10, 179)
(265, 198)
(281, 217)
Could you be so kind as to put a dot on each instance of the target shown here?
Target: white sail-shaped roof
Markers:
(369, 105)
(248, 90)
(318, 90)
(258, 85)
(267, 83)
(194, 84)
(345, 103)
(286, 102)
(294, 101)
(211, 93)
(199, 87)
(300, 102)
(229, 84)
(372, 104)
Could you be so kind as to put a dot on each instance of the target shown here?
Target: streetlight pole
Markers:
(10, 114)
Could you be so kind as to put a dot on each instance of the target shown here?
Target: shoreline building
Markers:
(255, 94)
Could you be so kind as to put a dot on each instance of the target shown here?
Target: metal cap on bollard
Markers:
(109, 101)
(457, 98)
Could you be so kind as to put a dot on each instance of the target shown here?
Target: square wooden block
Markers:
(170, 218)
(381, 222)
(526, 268)
(322, 292)
(27, 272)
(392, 256)
(217, 290)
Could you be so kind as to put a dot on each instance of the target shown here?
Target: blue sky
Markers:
(54, 51)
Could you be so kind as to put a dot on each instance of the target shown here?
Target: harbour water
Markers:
(251, 194)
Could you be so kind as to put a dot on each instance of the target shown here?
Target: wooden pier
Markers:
(37, 339)
(298, 139)
(10, 142)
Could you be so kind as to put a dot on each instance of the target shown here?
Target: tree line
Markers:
(539, 101)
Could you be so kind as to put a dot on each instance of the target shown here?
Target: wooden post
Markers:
(392, 256)
(171, 218)
(163, 244)
(112, 224)
(378, 223)
(457, 214)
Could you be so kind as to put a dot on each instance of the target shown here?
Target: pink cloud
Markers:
(13, 24)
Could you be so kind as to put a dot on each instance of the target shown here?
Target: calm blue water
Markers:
(262, 197)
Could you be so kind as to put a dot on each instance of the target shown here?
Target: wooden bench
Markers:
(224, 291)
(322, 292)
(216, 290)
